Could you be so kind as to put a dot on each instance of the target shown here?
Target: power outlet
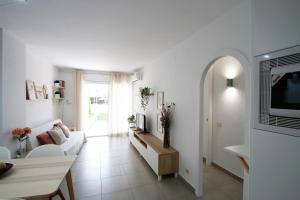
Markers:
(187, 171)
(219, 124)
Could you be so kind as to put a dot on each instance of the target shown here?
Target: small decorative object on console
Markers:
(165, 119)
(57, 95)
(131, 119)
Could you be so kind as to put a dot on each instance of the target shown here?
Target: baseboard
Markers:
(239, 179)
(186, 183)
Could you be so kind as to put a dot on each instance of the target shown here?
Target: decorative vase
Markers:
(28, 145)
(21, 150)
(166, 138)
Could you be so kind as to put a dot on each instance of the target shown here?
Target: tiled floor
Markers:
(111, 169)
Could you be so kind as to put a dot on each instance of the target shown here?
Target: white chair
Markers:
(45, 150)
(4, 153)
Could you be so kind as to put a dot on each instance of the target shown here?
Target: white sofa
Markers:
(71, 147)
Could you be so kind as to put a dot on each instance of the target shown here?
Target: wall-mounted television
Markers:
(285, 91)
(141, 122)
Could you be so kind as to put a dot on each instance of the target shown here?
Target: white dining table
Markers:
(37, 178)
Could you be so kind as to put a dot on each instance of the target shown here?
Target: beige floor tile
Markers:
(113, 184)
(148, 192)
(88, 174)
(173, 188)
(107, 172)
(141, 178)
(111, 169)
(215, 195)
(94, 197)
(233, 191)
(87, 188)
(132, 168)
(119, 195)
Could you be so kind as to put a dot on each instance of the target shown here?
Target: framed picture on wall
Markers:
(45, 91)
(39, 91)
(30, 90)
(159, 127)
(160, 99)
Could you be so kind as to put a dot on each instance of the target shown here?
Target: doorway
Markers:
(224, 120)
(97, 109)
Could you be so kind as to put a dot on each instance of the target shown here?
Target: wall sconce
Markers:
(229, 82)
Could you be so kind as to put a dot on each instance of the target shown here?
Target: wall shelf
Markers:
(59, 89)
(36, 100)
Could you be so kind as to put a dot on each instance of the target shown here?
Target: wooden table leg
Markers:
(60, 194)
(70, 185)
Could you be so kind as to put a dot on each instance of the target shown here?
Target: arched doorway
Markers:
(227, 95)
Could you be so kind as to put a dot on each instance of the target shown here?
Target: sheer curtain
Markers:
(79, 100)
(120, 104)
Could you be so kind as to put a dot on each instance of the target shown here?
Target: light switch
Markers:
(219, 124)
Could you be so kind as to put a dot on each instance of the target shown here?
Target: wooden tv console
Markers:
(163, 161)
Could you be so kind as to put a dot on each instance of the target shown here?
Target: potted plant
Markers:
(145, 93)
(131, 119)
(166, 114)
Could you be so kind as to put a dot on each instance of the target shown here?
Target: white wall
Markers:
(207, 119)
(276, 164)
(39, 112)
(275, 25)
(274, 157)
(17, 65)
(178, 74)
(228, 112)
(13, 86)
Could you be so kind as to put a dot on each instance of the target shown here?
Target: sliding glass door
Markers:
(97, 109)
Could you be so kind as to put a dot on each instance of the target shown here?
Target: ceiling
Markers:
(109, 35)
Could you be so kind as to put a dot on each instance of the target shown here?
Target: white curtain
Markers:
(120, 103)
(79, 100)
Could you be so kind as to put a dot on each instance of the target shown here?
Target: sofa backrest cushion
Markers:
(38, 130)
(41, 129)
(57, 135)
(64, 128)
(44, 138)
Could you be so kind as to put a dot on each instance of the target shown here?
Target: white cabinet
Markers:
(162, 160)
(152, 159)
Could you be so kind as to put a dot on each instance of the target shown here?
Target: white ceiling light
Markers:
(7, 2)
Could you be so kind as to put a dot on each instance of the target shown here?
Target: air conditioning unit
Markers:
(136, 77)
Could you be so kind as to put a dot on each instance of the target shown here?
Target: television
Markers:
(285, 91)
(141, 122)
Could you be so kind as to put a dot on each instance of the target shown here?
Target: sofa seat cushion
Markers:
(73, 144)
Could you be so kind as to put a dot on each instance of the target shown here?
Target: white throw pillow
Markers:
(66, 130)
(56, 133)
